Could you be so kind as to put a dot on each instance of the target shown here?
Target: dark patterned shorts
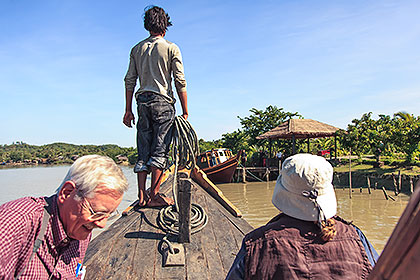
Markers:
(154, 131)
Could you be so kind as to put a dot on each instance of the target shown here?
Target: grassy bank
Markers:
(384, 170)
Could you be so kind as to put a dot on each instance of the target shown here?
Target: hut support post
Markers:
(335, 146)
(269, 147)
(368, 184)
(184, 197)
(294, 144)
(308, 144)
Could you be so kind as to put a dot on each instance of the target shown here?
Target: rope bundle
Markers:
(185, 150)
(185, 144)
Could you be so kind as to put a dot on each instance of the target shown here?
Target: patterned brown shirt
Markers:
(289, 248)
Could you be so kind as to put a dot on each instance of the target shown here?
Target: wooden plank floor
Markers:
(129, 248)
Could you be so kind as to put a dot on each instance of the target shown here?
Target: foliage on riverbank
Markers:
(20, 153)
(391, 136)
(395, 139)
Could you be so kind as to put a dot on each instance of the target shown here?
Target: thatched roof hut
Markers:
(300, 129)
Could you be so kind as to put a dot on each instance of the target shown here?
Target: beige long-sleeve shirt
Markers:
(155, 61)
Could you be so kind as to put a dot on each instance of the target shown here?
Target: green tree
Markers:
(385, 127)
(208, 145)
(261, 121)
(362, 136)
(235, 141)
(385, 136)
(406, 134)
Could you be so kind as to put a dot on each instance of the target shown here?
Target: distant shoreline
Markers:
(20, 154)
(24, 165)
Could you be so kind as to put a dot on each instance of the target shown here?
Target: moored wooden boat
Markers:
(218, 164)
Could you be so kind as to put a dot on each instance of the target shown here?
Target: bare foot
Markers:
(160, 200)
(145, 201)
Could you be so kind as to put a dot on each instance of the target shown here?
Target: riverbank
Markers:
(398, 182)
(397, 177)
(384, 169)
(6, 165)
(386, 176)
(22, 154)
(121, 160)
(361, 176)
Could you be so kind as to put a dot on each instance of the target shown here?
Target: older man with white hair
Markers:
(47, 237)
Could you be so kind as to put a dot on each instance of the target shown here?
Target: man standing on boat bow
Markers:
(154, 61)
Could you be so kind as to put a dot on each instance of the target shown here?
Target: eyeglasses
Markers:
(95, 216)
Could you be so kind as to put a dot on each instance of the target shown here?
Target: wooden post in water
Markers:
(350, 189)
(184, 203)
(395, 184)
(244, 174)
(411, 185)
(399, 181)
(338, 180)
(368, 184)
(279, 166)
(267, 174)
(335, 177)
(386, 195)
(376, 185)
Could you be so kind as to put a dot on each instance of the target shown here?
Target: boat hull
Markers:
(223, 172)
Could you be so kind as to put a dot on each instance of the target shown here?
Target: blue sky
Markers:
(62, 63)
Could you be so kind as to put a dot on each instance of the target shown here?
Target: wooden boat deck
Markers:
(129, 248)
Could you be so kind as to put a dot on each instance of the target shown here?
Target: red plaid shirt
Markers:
(20, 223)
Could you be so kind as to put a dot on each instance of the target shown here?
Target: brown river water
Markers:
(372, 213)
(376, 216)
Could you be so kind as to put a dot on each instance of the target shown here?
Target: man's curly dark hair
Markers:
(156, 20)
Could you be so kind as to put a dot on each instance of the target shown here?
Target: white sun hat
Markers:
(304, 186)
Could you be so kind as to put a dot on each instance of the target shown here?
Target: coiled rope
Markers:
(185, 150)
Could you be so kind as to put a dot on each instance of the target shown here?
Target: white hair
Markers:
(88, 172)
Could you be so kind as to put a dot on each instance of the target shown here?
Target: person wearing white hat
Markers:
(307, 240)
